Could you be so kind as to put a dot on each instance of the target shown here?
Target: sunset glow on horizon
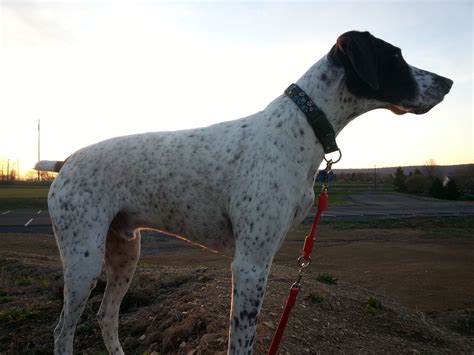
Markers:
(95, 70)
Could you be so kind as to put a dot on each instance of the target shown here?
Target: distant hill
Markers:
(464, 170)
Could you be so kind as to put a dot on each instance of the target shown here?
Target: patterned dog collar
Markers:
(316, 118)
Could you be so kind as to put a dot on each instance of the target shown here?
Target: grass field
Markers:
(34, 196)
(23, 196)
(339, 191)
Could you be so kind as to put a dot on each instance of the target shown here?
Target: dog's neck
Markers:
(324, 83)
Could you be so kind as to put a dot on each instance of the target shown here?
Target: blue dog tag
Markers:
(325, 176)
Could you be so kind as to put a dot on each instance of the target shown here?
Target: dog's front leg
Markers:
(250, 268)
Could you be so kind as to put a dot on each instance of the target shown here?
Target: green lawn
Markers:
(34, 196)
(23, 196)
(339, 191)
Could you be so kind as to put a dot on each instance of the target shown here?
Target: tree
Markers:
(467, 189)
(451, 190)
(13, 175)
(430, 169)
(399, 180)
(416, 184)
(47, 176)
(417, 172)
(437, 189)
(31, 175)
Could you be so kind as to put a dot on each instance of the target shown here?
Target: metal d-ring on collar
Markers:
(330, 161)
(316, 118)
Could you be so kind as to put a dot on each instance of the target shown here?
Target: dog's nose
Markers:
(444, 83)
(448, 83)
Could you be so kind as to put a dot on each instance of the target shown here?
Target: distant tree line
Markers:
(429, 184)
(10, 173)
(10, 176)
(363, 177)
(31, 176)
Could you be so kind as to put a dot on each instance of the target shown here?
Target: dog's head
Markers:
(375, 69)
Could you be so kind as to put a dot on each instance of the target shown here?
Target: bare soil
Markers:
(398, 291)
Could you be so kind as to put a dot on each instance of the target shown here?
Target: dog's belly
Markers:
(203, 223)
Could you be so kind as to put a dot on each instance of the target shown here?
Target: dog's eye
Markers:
(397, 55)
(397, 59)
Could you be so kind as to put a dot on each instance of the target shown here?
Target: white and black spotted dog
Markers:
(236, 187)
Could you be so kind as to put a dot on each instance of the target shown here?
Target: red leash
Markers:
(304, 261)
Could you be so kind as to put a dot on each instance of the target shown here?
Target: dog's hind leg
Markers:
(121, 257)
(82, 253)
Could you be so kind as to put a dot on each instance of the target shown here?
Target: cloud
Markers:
(31, 24)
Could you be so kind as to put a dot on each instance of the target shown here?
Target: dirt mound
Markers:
(182, 310)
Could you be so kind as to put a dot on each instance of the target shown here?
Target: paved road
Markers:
(25, 221)
(368, 205)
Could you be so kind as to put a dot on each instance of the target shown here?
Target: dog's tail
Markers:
(49, 165)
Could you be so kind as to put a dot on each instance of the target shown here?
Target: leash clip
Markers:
(330, 162)
(327, 175)
(304, 262)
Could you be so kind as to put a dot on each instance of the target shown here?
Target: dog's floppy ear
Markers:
(358, 47)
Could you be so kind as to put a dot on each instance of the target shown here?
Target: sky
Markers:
(92, 70)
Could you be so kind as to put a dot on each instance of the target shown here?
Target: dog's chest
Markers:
(302, 208)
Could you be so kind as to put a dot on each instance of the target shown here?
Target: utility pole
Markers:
(39, 146)
(375, 177)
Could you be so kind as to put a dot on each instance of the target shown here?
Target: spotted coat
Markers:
(235, 187)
